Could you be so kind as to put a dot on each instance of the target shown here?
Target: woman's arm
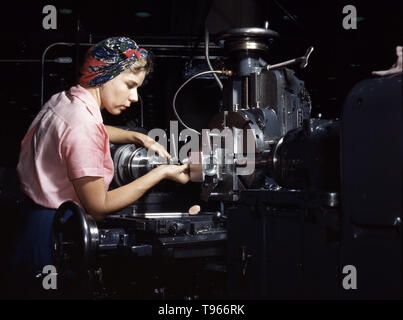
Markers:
(98, 203)
(117, 135)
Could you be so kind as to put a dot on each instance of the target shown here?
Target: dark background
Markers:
(340, 60)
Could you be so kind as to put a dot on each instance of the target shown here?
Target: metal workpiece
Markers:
(304, 158)
(132, 161)
(129, 161)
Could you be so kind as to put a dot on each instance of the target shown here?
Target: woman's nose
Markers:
(133, 95)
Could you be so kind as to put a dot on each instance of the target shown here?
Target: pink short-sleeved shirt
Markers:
(67, 140)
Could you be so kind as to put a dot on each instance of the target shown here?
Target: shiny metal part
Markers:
(159, 215)
(251, 39)
(248, 45)
(248, 32)
(128, 161)
(202, 165)
(276, 154)
(195, 165)
(333, 199)
(301, 61)
(132, 162)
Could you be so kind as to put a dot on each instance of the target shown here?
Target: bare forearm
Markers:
(117, 135)
(124, 196)
(98, 203)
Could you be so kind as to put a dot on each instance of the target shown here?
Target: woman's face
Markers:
(117, 94)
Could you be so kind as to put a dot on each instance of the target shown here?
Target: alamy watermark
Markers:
(350, 280)
(49, 280)
(50, 20)
(350, 20)
(232, 144)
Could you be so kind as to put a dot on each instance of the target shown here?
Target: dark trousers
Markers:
(30, 253)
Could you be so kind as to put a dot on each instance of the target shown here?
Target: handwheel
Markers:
(75, 239)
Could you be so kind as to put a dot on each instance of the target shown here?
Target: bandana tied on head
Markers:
(107, 59)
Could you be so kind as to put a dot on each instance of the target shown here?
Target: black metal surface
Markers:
(92, 254)
(308, 158)
(282, 246)
(371, 159)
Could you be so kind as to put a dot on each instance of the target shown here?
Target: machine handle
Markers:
(301, 61)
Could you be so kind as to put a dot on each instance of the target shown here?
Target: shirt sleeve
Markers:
(83, 149)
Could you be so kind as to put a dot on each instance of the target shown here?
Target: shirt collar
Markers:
(85, 96)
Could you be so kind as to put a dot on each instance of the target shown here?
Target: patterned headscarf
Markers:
(107, 59)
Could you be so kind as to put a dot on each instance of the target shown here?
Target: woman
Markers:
(65, 154)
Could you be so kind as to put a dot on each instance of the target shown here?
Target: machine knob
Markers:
(176, 228)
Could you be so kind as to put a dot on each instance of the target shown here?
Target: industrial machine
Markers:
(281, 219)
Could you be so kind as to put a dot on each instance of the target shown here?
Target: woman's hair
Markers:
(110, 57)
(144, 64)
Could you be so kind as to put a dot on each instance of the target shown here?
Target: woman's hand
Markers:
(117, 135)
(176, 173)
(151, 144)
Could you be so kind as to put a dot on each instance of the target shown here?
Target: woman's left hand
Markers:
(151, 144)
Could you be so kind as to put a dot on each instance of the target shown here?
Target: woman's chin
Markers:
(116, 111)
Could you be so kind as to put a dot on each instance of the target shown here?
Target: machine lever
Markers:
(301, 61)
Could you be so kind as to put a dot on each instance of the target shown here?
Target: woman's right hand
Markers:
(176, 173)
